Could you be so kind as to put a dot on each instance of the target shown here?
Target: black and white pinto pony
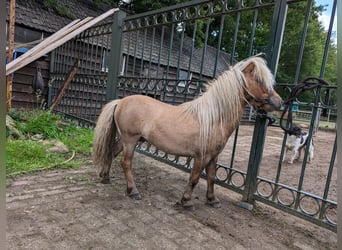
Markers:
(198, 129)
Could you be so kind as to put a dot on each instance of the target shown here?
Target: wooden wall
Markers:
(22, 96)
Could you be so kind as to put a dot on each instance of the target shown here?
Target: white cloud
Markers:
(325, 21)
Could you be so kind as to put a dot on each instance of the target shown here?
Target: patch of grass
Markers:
(39, 122)
(24, 155)
(77, 139)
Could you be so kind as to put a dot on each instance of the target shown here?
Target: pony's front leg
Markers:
(104, 173)
(211, 174)
(193, 180)
(126, 163)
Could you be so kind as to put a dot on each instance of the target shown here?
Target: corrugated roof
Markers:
(159, 52)
(33, 15)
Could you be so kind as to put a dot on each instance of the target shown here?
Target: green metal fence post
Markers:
(276, 35)
(255, 157)
(261, 122)
(115, 63)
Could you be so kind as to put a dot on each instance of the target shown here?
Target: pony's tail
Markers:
(104, 137)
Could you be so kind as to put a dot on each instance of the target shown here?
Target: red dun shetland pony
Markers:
(199, 128)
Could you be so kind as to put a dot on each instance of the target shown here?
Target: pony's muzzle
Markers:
(275, 102)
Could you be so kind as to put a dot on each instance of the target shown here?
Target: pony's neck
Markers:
(224, 99)
(220, 107)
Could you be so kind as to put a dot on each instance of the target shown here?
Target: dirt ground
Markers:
(71, 209)
(315, 174)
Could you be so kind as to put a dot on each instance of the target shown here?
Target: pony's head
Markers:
(259, 90)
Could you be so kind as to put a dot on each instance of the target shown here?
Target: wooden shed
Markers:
(33, 23)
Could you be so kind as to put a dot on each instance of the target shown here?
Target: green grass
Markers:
(24, 155)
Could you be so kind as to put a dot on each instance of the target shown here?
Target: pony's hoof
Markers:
(105, 181)
(136, 196)
(188, 205)
(214, 204)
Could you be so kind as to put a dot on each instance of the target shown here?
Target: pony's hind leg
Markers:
(126, 164)
(211, 174)
(104, 173)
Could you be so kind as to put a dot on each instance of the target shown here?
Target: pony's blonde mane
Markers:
(224, 100)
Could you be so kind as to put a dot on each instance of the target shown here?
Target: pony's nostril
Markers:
(280, 103)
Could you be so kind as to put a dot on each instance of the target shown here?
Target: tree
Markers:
(312, 60)
(314, 45)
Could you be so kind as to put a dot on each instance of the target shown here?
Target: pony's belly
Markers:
(174, 147)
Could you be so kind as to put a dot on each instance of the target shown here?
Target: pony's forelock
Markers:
(261, 72)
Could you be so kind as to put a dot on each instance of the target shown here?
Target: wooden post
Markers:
(65, 85)
(10, 51)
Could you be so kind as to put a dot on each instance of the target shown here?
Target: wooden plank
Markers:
(24, 97)
(26, 71)
(21, 88)
(24, 105)
(26, 58)
(10, 53)
(62, 38)
(39, 49)
(24, 45)
(45, 42)
(72, 34)
(21, 78)
(25, 100)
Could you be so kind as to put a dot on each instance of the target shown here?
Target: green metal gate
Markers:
(169, 54)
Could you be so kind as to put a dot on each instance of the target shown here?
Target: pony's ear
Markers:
(248, 71)
(249, 68)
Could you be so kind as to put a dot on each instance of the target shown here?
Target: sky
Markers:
(325, 17)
